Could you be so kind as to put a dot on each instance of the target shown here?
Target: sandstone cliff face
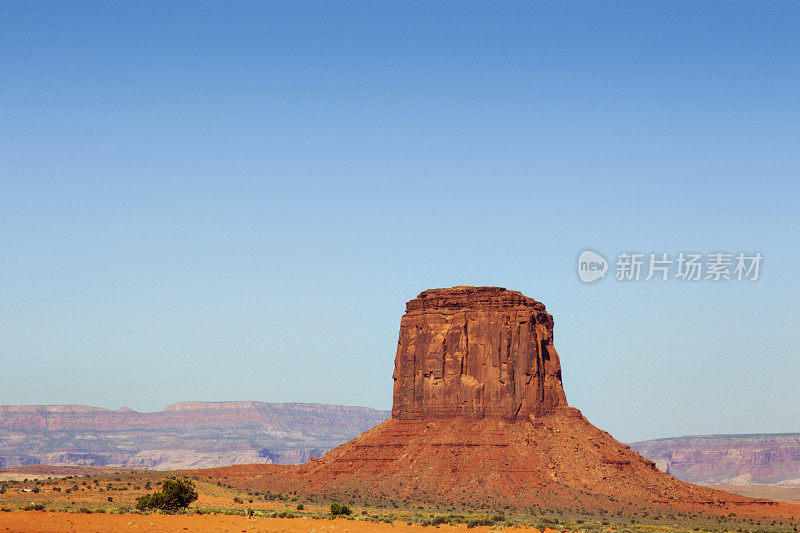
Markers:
(476, 352)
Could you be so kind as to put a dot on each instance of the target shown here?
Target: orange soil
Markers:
(41, 522)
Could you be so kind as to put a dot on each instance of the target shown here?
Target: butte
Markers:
(480, 415)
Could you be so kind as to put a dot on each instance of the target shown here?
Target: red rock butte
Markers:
(480, 415)
(476, 352)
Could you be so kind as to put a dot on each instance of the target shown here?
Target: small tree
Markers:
(339, 509)
(175, 494)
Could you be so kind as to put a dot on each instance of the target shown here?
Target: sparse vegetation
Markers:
(175, 493)
(339, 509)
(568, 515)
(34, 507)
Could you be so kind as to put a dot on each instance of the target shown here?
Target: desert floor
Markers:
(42, 521)
(103, 500)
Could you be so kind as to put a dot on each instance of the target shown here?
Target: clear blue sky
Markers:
(234, 200)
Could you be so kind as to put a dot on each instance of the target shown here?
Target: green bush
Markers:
(486, 521)
(150, 501)
(175, 494)
(339, 509)
(434, 520)
(34, 507)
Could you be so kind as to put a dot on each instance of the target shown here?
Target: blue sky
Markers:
(234, 200)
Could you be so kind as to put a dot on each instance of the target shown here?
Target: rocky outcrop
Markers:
(184, 435)
(728, 459)
(476, 352)
(480, 416)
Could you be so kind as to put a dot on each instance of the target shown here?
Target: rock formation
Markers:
(476, 352)
(184, 435)
(764, 459)
(480, 416)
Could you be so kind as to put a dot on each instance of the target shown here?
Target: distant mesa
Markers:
(760, 459)
(184, 435)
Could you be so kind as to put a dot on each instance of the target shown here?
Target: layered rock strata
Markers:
(476, 352)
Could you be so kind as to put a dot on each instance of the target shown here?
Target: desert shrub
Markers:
(110, 499)
(485, 520)
(434, 520)
(300, 507)
(237, 499)
(34, 507)
(150, 501)
(175, 494)
(339, 509)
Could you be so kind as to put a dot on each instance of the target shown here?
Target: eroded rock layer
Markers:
(184, 435)
(476, 352)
